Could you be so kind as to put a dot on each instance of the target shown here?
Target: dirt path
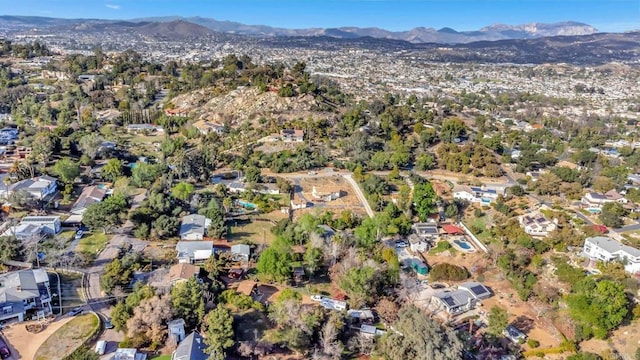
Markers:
(24, 344)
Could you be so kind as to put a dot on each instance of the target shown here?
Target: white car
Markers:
(317, 298)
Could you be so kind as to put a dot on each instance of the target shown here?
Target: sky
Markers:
(605, 15)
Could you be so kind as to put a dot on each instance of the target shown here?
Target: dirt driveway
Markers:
(23, 344)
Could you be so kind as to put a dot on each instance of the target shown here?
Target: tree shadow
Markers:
(523, 324)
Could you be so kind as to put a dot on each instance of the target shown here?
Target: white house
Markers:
(38, 187)
(194, 251)
(24, 291)
(475, 194)
(602, 248)
(418, 244)
(594, 200)
(194, 227)
(292, 135)
(535, 224)
(325, 196)
(206, 127)
(47, 224)
(138, 128)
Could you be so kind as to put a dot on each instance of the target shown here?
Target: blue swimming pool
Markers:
(463, 244)
(247, 205)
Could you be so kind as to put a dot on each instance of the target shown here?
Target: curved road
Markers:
(359, 194)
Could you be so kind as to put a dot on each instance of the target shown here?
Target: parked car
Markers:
(79, 234)
(108, 324)
(401, 244)
(317, 298)
(75, 311)
(437, 286)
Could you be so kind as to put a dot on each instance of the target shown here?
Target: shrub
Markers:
(448, 272)
(533, 343)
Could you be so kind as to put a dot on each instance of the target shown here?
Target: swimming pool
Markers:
(463, 244)
(247, 205)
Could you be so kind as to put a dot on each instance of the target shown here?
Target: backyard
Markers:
(67, 338)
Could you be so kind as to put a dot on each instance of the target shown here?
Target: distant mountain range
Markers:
(200, 26)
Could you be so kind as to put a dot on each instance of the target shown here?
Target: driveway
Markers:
(23, 344)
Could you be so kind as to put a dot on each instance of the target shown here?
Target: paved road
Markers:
(296, 181)
(634, 227)
(93, 292)
(359, 194)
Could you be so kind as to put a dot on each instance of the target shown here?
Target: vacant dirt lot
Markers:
(327, 184)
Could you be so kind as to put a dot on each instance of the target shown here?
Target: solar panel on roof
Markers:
(449, 300)
(478, 290)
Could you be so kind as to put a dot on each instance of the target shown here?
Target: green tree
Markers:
(452, 129)
(252, 174)
(187, 299)
(182, 191)
(598, 307)
(612, 214)
(498, 320)
(424, 200)
(90, 144)
(313, 259)
(105, 214)
(218, 329)
(361, 284)
(416, 336)
(112, 170)
(9, 248)
(275, 264)
(67, 170)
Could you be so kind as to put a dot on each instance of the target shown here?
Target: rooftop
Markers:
(613, 246)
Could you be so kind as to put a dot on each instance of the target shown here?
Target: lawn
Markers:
(162, 357)
(442, 247)
(69, 337)
(92, 243)
(252, 231)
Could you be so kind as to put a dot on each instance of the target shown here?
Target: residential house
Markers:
(333, 304)
(476, 289)
(535, 224)
(240, 252)
(418, 244)
(241, 186)
(426, 230)
(48, 224)
(192, 251)
(602, 248)
(38, 188)
(90, 195)
(176, 329)
(463, 299)
(595, 201)
(480, 195)
(25, 232)
(128, 354)
(182, 272)
(247, 288)
(455, 302)
(298, 274)
(177, 112)
(326, 196)
(22, 292)
(207, 127)
(144, 128)
(192, 347)
(292, 135)
(194, 227)
(298, 203)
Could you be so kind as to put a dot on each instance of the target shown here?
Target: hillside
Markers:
(245, 103)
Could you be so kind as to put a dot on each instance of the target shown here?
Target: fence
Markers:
(475, 240)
